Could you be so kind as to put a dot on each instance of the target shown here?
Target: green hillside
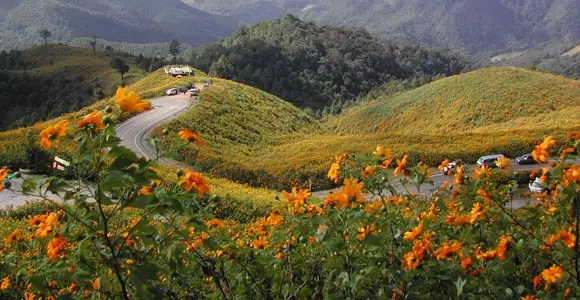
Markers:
(44, 82)
(239, 123)
(491, 96)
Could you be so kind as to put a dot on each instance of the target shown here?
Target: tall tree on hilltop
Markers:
(45, 34)
(174, 49)
(120, 65)
(93, 44)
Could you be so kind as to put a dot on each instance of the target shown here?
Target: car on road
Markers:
(448, 169)
(489, 160)
(526, 159)
(182, 89)
(171, 92)
(193, 93)
(537, 186)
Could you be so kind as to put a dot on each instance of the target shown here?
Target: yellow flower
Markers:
(131, 103)
(53, 132)
(411, 235)
(540, 152)
(552, 274)
(188, 135)
(353, 188)
(482, 171)
(334, 172)
(5, 283)
(95, 119)
(503, 163)
(297, 198)
(194, 180)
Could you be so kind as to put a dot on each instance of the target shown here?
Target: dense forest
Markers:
(36, 84)
(313, 66)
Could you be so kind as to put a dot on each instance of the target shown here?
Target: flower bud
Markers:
(165, 131)
(52, 136)
(108, 109)
(179, 172)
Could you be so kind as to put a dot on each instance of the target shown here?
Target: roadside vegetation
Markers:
(150, 234)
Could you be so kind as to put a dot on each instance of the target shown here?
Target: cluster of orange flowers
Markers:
(567, 237)
(540, 152)
(3, 174)
(45, 224)
(334, 172)
(297, 199)
(349, 194)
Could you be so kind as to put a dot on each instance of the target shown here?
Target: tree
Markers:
(93, 44)
(120, 65)
(45, 34)
(174, 49)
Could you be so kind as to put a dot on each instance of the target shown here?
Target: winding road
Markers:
(134, 131)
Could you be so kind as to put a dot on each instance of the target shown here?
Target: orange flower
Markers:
(353, 188)
(443, 165)
(148, 189)
(96, 284)
(568, 238)
(363, 232)
(410, 261)
(334, 172)
(458, 175)
(476, 212)
(297, 198)
(53, 132)
(466, 261)
(411, 235)
(194, 180)
(3, 174)
(368, 171)
(503, 163)
(552, 274)
(261, 242)
(572, 174)
(565, 152)
(528, 297)
(337, 199)
(94, 120)
(131, 103)
(401, 164)
(540, 152)
(215, 223)
(382, 152)
(488, 255)
(447, 250)
(501, 249)
(5, 283)
(46, 226)
(188, 135)
(537, 280)
(55, 247)
(482, 171)
(29, 296)
(13, 237)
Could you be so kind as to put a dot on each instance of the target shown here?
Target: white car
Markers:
(171, 92)
(537, 186)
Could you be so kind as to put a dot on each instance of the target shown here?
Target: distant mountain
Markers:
(132, 21)
(473, 26)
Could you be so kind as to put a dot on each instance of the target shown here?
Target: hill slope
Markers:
(46, 81)
(115, 20)
(465, 102)
(469, 25)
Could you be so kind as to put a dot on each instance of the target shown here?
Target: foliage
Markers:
(120, 66)
(313, 66)
(45, 34)
(47, 81)
(174, 49)
(138, 235)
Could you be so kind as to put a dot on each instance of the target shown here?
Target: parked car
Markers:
(526, 159)
(171, 92)
(537, 186)
(489, 160)
(193, 93)
(182, 89)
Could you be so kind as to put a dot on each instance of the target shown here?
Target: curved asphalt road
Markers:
(133, 131)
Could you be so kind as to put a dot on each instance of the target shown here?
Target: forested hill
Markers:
(313, 66)
(132, 21)
(473, 26)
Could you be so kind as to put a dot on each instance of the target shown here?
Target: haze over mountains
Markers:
(472, 26)
(132, 21)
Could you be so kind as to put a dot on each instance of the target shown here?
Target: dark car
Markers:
(526, 159)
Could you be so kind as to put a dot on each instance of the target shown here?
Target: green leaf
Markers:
(459, 284)
(29, 185)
